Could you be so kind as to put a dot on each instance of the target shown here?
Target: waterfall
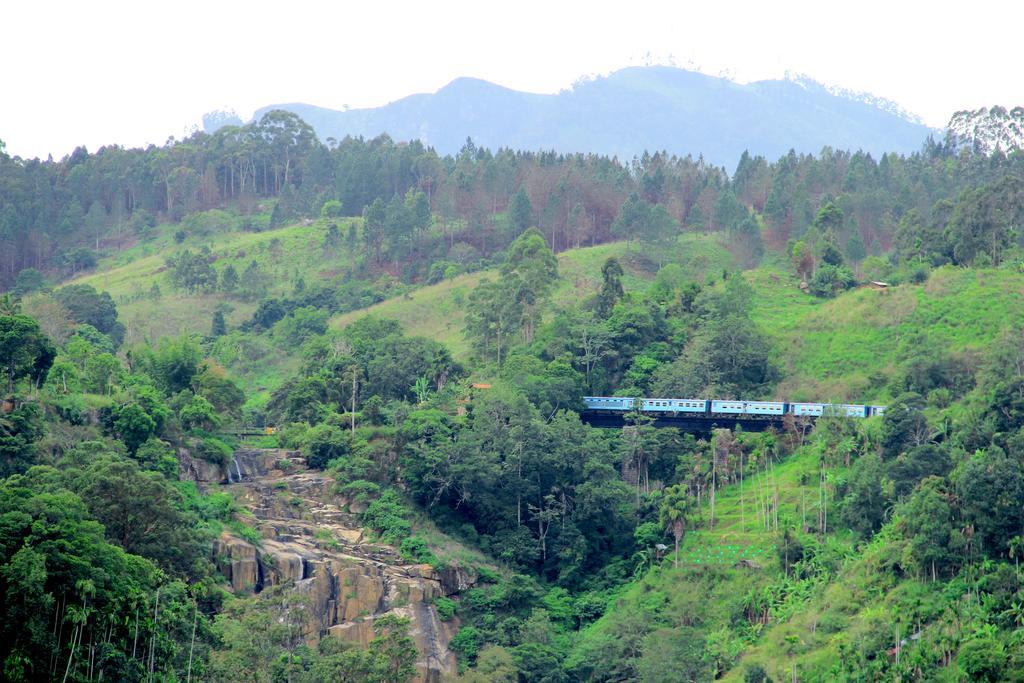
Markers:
(237, 469)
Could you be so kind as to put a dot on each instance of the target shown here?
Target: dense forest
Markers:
(841, 549)
(57, 216)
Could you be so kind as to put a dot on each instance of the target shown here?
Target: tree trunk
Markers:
(192, 646)
(714, 484)
(353, 402)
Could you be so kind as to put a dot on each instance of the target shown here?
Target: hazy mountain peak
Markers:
(867, 98)
(637, 109)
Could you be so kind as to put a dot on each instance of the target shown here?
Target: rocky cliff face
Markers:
(314, 544)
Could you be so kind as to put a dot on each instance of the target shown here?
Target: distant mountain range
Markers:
(987, 130)
(633, 110)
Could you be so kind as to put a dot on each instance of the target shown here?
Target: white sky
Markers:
(132, 73)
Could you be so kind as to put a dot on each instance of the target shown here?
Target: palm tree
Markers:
(676, 508)
(1016, 550)
(422, 390)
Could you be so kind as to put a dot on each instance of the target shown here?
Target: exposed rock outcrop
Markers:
(239, 562)
(312, 542)
(195, 469)
(247, 464)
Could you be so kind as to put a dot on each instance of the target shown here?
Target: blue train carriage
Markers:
(806, 409)
(674, 405)
(615, 403)
(656, 405)
(753, 408)
(769, 408)
(847, 410)
(647, 405)
(728, 407)
(691, 405)
(834, 410)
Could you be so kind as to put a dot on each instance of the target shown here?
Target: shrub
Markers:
(445, 608)
(214, 451)
(324, 443)
(755, 673)
(305, 322)
(387, 516)
(414, 549)
(198, 413)
(829, 280)
(360, 490)
(245, 532)
(133, 426)
(142, 222)
(982, 659)
(29, 280)
(292, 435)
(332, 208)
(72, 408)
(154, 454)
(212, 221)
(487, 575)
(466, 643)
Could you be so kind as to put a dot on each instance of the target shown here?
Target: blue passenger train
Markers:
(710, 408)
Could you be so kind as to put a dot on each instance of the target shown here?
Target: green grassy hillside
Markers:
(290, 253)
(438, 311)
(839, 349)
(842, 349)
(285, 255)
(852, 600)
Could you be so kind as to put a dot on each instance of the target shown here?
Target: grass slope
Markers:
(285, 254)
(289, 253)
(843, 349)
(439, 311)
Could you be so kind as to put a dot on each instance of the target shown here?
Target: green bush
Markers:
(466, 643)
(360, 490)
(414, 549)
(829, 280)
(292, 435)
(332, 208)
(324, 443)
(982, 659)
(445, 608)
(214, 450)
(211, 507)
(245, 532)
(487, 575)
(387, 516)
(199, 413)
(305, 322)
(154, 454)
(755, 673)
(72, 408)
